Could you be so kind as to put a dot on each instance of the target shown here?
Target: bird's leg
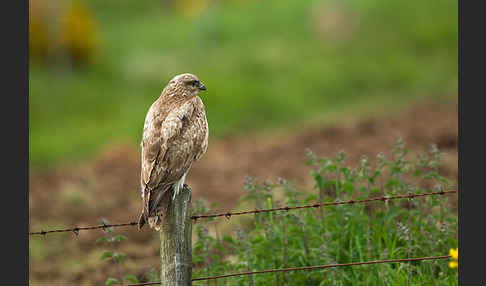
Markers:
(179, 185)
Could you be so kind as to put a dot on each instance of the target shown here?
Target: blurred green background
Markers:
(97, 66)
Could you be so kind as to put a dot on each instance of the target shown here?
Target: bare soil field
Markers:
(108, 186)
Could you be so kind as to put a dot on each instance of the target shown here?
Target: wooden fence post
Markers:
(175, 241)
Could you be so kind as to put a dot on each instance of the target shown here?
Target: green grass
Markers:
(262, 62)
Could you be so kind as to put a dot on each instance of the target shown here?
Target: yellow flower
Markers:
(78, 33)
(454, 253)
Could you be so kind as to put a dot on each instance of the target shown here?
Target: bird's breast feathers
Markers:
(171, 144)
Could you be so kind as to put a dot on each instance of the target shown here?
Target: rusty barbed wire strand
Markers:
(228, 215)
(76, 230)
(287, 208)
(307, 268)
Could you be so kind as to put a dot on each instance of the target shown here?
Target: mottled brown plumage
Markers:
(175, 135)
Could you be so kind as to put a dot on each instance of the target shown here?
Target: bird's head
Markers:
(188, 84)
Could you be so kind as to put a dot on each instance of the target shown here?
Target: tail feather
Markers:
(160, 196)
(156, 207)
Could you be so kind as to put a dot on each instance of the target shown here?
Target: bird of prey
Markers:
(175, 135)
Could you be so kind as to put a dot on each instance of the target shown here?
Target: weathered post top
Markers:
(175, 241)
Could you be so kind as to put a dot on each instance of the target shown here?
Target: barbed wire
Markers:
(228, 215)
(76, 230)
(307, 268)
(287, 208)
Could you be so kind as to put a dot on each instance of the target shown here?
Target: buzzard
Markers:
(175, 135)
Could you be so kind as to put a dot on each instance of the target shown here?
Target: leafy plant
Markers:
(117, 258)
(341, 233)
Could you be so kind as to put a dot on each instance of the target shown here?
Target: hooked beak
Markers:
(202, 87)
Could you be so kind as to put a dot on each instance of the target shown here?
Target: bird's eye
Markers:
(195, 83)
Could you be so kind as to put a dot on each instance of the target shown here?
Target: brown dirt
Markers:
(108, 186)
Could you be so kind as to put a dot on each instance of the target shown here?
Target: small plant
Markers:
(111, 239)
